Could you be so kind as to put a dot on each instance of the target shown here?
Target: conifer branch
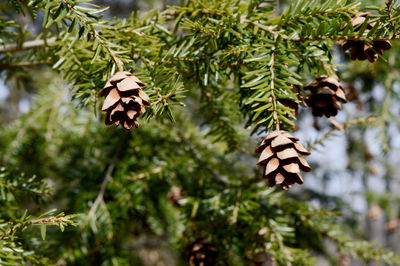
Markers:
(21, 226)
(95, 34)
(337, 38)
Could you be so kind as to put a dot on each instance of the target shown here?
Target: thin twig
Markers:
(13, 229)
(343, 126)
(132, 31)
(235, 212)
(100, 196)
(143, 175)
(272, 89)
(13, 47)
(166, 96)
(107, 179)
(336, 38)
(389, 10)
(23, 64)
(269, 29)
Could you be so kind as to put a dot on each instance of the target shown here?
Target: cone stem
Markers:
(272, 87)
(119, 63)
(277, 126)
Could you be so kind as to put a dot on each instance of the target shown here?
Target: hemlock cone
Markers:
(175, 195)
(363, 50)
(263, 259)
(124, 100)
(326, 96)
(280, 159)
(201, 253)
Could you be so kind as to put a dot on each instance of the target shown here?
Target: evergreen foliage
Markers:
(217, 72)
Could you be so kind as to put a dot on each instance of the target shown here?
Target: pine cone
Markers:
(392, 225)
(375, 212)
(124, 100)
(280, 159)
(263, 259)
(201, 253)
(175, 195)
(344, 260)
(326, 96)
(362, 50)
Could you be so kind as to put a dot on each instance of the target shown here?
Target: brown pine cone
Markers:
(392, 224)
(175, 195)
(263, 259)
(280, 159)
(326, 96)
(201, 253)
(344, 260)
(375, 212)
(124, 100)
(363, 50)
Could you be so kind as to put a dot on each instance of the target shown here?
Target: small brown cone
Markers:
(175, 195)
(392, 224)
(124, 100)
(326, 96)
(279, 155)
(201, 253)
(263, 259)
(374, 212)
(344, 260)
(363, 50)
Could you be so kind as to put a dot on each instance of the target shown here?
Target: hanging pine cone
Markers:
(201, 253)
(263, 259)
(375, 212)
(280, 159)
(175, 195)
(393, 224)
(363, 50)
(326, 96)
(124, 100)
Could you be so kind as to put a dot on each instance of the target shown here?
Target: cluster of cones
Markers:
(280, 151)
(363, 50)
(280, 157)
(124, 101)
